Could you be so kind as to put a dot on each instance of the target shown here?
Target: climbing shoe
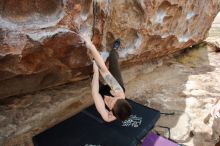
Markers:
(117, 44)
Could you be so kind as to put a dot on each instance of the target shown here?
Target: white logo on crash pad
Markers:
(132, 121)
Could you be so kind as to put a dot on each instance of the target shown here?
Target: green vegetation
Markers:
(194, 55)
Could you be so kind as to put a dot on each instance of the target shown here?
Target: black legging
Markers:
(114, 67)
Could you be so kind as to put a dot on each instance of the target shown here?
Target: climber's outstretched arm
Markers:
(107, 76)
(95, 54)
(98, 100)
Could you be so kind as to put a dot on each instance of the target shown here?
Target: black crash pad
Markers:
(88, 129)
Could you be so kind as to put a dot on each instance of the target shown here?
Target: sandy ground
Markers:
(187, 85)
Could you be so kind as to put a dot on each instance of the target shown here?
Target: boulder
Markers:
(40, 44)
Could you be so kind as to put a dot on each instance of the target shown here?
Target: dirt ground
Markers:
(188, 85)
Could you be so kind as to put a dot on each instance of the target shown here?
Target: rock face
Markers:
(40, 46)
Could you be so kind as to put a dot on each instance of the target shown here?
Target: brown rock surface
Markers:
(40, 46)
(25, 116)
